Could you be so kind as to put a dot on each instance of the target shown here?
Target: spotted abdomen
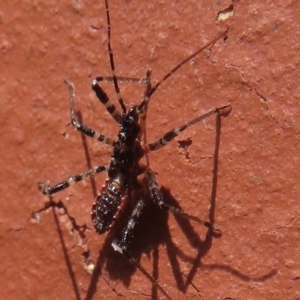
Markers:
(107, 206)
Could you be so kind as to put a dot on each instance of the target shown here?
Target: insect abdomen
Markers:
(107, 207)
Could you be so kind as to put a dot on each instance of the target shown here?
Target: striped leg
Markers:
(49, 190)
(157, 198)
(111, 108)
(127, 233)
(103, 98)
(169, 136)
(85, 130)
(121, 246)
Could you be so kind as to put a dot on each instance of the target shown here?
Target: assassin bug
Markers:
(124, 167)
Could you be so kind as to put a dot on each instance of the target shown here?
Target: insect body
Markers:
(122, 172)
(124, 167)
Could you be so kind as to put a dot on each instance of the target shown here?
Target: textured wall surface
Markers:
(242, 173)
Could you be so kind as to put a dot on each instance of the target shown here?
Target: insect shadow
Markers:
(154, 222)
(158, 233)
(118, 193)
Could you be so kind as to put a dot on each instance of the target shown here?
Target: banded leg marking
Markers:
(103, 98)
(80, 127)
(122, 79)
(127, 234)
(49, 190)
(169, 136)
(157, 198)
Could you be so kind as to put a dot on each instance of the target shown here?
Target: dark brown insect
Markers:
(124, 167)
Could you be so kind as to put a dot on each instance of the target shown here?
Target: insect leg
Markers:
(49, 190)
(157, 197)
(122, 79)
(169, 136)
(102, 96)
(127, 235)
(85, 130)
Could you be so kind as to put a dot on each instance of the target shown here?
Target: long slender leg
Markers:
(157, 198)
(127, 235)
(49, 190)
(85, 130)
(169, 136)
(102, 96)
(122, 79)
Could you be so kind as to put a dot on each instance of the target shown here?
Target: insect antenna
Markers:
(111, 59)
(211, 43)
